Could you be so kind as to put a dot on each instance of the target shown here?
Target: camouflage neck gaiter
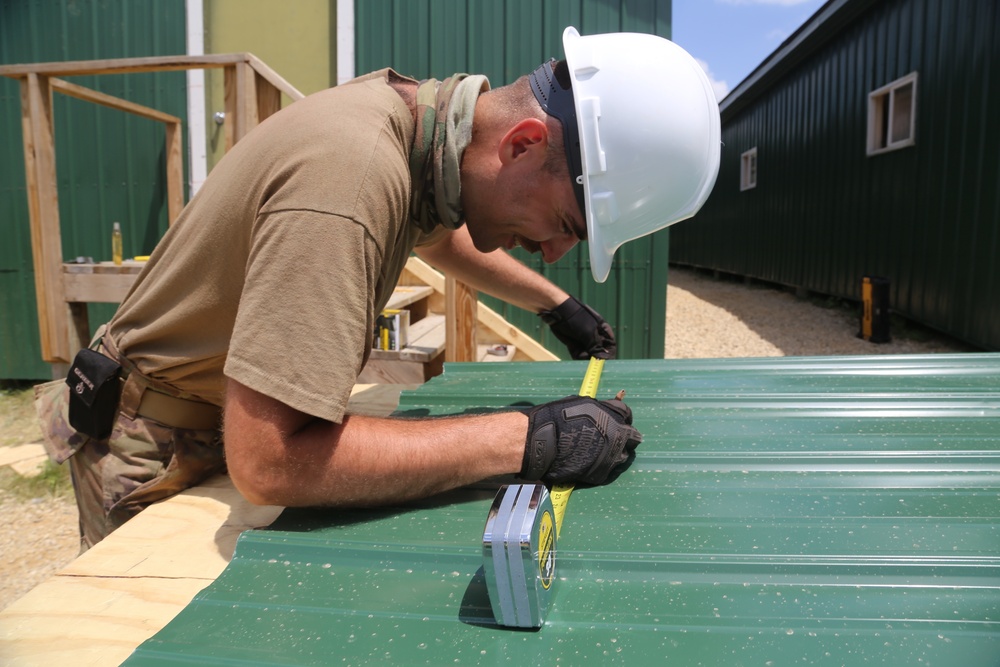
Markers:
(444, 129)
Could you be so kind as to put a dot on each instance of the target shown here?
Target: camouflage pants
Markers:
(143, 461)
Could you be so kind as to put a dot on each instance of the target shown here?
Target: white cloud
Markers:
(721, 88)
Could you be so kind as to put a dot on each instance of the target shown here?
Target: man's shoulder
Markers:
(386, 74)
(368, 99)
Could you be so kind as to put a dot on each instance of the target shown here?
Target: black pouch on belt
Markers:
(94, 390)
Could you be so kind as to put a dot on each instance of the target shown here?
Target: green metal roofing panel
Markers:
(822, 511)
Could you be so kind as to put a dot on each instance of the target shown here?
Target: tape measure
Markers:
(519, 548)
(560, 492)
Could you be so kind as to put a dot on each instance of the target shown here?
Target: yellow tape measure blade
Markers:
(592, 378)
(561, 492)
(559, 495)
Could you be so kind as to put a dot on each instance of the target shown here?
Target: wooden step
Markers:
(405, 295)
(426, 342)
(423, 356)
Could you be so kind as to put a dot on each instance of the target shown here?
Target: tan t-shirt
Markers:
(274, 272)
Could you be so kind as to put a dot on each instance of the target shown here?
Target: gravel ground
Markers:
(706, 317)
(727, 317)
(38, 538)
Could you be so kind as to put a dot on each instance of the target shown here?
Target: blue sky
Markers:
(732, 37)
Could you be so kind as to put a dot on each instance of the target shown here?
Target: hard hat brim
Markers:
(650, 136)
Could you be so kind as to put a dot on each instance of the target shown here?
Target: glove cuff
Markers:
(562, 312)
(539, 447)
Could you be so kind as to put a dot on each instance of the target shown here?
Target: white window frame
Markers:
(748, 169)
(884, 122)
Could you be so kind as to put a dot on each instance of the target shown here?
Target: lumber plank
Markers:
(241, 99)
(105, 282)
(129, 266)
(489, 318)
(268, 97)
(110, 101)
(175, 172)
(100, 607)
(460, 309)
(272, 77)
(154, 64)
(43, 213)
(123, 65)
(406, 295)
(377, 400)
(121, 592)
(400, 371)
(97, 287)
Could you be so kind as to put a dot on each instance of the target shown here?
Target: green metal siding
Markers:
(504, 40)
(823, 213)
(821, 511)
(110, 166)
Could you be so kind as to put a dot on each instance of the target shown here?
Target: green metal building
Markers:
(109, 165)
(867, 144)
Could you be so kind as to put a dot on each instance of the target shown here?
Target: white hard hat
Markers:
(642, 134)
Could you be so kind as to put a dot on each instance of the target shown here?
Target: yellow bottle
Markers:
(116, 244)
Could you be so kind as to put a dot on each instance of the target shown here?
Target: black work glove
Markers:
(578, 439)
(581, 329)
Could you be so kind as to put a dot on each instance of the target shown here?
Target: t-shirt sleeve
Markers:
(303, 327)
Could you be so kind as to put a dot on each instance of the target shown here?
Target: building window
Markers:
(748, 169)
(892, 115)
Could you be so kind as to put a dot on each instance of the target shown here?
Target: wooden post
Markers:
(461, 317)
(175, 172)
(241, 101)
(229, 88)
(43, 212)
(268, 98)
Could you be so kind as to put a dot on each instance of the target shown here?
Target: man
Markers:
(257, 305)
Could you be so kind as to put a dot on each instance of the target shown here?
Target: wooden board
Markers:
(406, 295)
(105, 603)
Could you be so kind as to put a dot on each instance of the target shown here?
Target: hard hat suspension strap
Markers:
(557, 101)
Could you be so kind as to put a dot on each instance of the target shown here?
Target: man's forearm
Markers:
(369, 461)
(496, 273)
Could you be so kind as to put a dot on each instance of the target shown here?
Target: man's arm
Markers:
(576, 325)
(497, 273)
(280, 456)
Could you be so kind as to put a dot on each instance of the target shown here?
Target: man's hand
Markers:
(578, 439)
(581, 329)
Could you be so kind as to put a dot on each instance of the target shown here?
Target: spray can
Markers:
(116, 244)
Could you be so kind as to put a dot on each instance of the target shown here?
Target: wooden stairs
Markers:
(423, 291)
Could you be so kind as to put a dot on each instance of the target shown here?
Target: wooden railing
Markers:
(252, 93)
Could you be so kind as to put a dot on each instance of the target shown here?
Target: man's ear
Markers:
(527, 138)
